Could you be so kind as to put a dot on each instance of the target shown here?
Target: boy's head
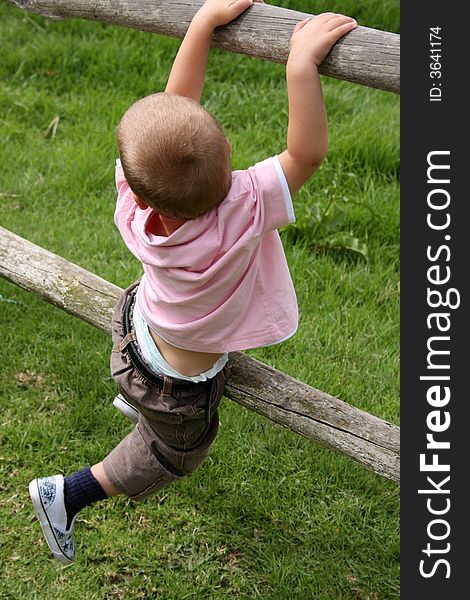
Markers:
(175, 156)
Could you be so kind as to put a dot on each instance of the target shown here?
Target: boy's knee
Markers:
(141, 465)
(134, 470)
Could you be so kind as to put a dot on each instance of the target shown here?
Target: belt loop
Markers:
(167, 385)
(130, 337)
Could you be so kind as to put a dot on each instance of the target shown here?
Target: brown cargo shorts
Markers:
(178, 419)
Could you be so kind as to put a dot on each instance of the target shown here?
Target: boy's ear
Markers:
(140, 203)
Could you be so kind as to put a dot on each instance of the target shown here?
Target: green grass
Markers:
(269, 515)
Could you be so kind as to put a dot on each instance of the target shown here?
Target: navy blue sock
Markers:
(81, 489)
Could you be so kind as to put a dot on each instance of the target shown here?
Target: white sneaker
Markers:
(126, 408)
(47, 494)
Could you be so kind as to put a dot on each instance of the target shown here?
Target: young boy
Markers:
(215, 276)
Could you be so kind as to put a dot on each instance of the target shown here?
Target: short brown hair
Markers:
(174, 155)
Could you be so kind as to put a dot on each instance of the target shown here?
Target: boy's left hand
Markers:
(221, 12)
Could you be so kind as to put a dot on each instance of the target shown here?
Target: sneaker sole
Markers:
(126, 409)
(45, 524)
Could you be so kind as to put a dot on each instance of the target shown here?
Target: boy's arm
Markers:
(307, 133)
(189, 68)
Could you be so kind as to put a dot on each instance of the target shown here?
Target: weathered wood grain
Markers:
(367, 56)
(325, 419)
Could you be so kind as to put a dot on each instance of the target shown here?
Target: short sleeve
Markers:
(120, 178)
(270, 203)
(125, 209)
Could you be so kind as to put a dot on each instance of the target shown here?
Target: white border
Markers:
(285, 189)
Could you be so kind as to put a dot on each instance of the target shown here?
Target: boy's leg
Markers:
(175, 431)
(100, 476)
(156, 453)
(171, 440)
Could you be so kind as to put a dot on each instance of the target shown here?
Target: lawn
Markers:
(269, 515)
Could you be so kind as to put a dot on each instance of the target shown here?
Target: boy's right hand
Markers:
(314, 37)
(221, 12)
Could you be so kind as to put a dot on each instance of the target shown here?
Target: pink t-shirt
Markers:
(220, 282)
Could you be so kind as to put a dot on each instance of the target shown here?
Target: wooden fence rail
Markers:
(332, 423)
(366, 56)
